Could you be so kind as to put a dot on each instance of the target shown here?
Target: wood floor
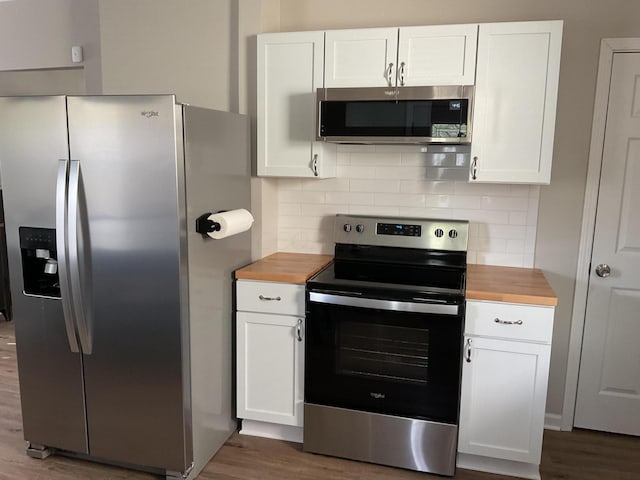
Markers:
(579, 455)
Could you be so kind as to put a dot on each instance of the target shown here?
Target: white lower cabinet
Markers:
(504, 387)
(270, 359)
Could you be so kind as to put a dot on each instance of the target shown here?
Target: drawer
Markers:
(270, 297)
(509, 320)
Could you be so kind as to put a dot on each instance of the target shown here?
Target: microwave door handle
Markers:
(61, 250)
(77, 293)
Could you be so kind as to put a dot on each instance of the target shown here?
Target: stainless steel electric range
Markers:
(384, 335)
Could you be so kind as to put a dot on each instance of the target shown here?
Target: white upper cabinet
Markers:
(406, 56)
(437, 55)
(516, 92)
(290, 69)
(361, 58)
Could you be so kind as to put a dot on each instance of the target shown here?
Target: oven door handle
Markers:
(392, 305)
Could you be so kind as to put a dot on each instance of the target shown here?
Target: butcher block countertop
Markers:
(484, 282)
(509, 284)
(285, 267)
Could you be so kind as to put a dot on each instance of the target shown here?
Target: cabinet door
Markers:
(270, 356)
(290, 67)
(504, 389)
(515, 101)
(437, 55)
(361, 58)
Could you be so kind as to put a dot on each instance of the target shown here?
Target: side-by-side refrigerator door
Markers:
(127, 152)
(34, 157)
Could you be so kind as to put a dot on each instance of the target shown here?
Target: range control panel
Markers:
(423, 233)
(403, 229)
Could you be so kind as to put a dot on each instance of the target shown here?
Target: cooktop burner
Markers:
(399, 257)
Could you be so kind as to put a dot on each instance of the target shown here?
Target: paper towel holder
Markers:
(205, 226)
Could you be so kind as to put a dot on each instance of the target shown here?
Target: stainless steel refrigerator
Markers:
(123, 312)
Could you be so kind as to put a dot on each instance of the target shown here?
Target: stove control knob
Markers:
(453, 234)
(439, 232)
(347, 227)
(359, 228)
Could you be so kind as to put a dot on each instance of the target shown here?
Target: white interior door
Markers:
(609, 382)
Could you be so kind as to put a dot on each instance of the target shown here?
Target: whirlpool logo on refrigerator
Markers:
(149, 114)
(377, 396)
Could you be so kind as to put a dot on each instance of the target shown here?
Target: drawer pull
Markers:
(268, 299)
(508, 322)
(468, 353)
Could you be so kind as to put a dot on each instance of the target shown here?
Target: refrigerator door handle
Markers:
(61, 248)
(77, 294)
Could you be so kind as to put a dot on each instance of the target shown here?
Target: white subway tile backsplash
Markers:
(321, 210)
(425, 212)
(400, 173)
(490, 202)
(515, 246)
(350, 171)
(399, 200)
(295, 222)
(350, 198)
(504, 259)
(346, 148)
(289, 184)
(373, 159)
(466, 202)
(423, 186)
(392, 181)
(374, 185)
(520, 190)
(398, 149)
(299, 196)
(291, 209)
(509, 232)
(482, 216)
(374, 210)
(343, 158)
(517, 218)
(483, 244)
(439, 201)
(326, 185)
(496, 189)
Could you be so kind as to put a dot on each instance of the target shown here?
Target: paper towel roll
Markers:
(231, 222)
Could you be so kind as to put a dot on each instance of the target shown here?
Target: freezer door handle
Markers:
(61, 247)
(73, 225)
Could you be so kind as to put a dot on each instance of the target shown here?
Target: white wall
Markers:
(171, 46)
(39, 34)
(35, 34)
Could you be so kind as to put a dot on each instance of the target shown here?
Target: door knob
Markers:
(603, 270)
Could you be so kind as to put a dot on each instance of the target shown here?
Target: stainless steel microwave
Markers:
(436, 114)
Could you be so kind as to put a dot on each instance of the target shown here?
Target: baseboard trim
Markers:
(553, 421)
(498, 466)
(271, 430)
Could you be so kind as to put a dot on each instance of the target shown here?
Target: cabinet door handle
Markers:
(389, 76)
(474, 168)
(299, 330)
(467, 355)
(508, 322)
(314, 165)
(262, 297)
(401, 74)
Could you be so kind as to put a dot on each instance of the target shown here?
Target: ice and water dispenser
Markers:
(39, 261)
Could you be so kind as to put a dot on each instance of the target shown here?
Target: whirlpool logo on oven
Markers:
(376, 395)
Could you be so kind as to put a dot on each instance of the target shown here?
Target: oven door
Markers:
(384, 356)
